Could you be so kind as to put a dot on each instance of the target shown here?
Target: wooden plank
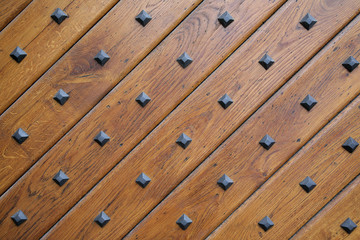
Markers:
(159, 157)
(242, 158)
(327, 223)
(78, 74)
(10, 9)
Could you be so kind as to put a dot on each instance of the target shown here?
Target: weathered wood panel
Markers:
(10, 9)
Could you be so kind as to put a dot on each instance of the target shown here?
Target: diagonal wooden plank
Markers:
(10, 9)
(159, 157)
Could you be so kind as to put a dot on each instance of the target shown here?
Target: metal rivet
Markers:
(308, 21)
(61, 97)
(308, 103)
(19, 217)
(225, 101)
(225, 19)
(266, 223)
(102, 138)
(348, 225)
(59, 16)
(350, 64)
(102, 57)
(143, 99)
(61, 178)
(266, 61)
(18, 54)
(20, 136)
(184, 60)
(183, 140)
(143, 180)
(102, 219)
(308, 184)
(267, 142)
(184, 222)
(350, 144)
(143, 18)
(225, 182)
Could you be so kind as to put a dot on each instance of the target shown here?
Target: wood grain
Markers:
(10, 9)
(167, 164)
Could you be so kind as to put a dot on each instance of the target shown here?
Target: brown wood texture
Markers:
(243, 159)
(78, 74)
(10, 9)
(327, 223)
(43, 40)
(161, 159)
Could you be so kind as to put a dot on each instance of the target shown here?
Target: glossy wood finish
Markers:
(10, 9)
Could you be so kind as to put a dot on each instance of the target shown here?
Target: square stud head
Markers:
(102, 219)
(102, 138)
(184, 60)
(143, 99)
(308, 184)
(267, 142)
(308, 21)
(348, 225)
(184, 222)
(20, 136)
(350, 145)
(225, 19)
(225, 182)
(59, 16)
(143, 180)
(183, 140)
(102, 57)
(308, 103)
(18, 54)
(266, 61)
(266, 223)
(225, 101)
(143, 18)
(61, 97)
(350, 64)
(61, 178)
(19, 217)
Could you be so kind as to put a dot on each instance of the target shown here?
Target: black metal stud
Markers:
(102, 219)
(225, 182)
(143, 18)
(267, 142)
(61, 178)
(19, 217)
(102, 138)
(308, 184)
(59, 16)
(308, 103)
(183, 140)
(184, 222)
(18, 54)
(61, 97)
(184, 60)
(350, 64)
(20, 136)
(225, 101)
(266, 61)
(308, 21)
(143, 99)
(102, 57)
(266, 223)
(348, 225)
(350, 144)
(143, 180)
(225, 19)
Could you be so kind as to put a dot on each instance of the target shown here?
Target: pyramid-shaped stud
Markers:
(308, 21)
(59, 16)
(19, 217)
(18, 54)
(266, 61)
(308, 103)
(61, 178)
(225, 182)
(143, 99)
(350, 64)
(102, 219)
(184, 60)
(267, 142)
(20, 136)
(350, 144)
(143, 180)
(308, 184)
(61, 97)
(184, 222)
(266, 223)
(102, 57)
(225, 101)
(225, 19)
(143, 18)
(348, 225)
(184, 140)
(102, 138)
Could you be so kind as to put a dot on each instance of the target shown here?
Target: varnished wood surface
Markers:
(10, 9)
